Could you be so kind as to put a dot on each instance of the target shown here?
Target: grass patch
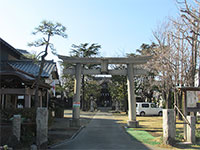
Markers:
(143, 137)
(152, 125)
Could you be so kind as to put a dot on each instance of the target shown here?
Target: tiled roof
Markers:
(32, 67)
(7, 72)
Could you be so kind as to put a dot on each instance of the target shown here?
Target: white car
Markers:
(145, 108)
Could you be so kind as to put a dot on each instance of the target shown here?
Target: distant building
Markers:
(105, 99)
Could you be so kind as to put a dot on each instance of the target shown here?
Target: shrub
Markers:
(28, 114)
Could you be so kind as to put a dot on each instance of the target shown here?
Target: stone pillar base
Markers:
(75, 123)
(191, 129)
(132, 124)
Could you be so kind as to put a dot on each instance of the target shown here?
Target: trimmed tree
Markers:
(47, 29)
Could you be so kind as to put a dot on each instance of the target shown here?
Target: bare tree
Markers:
(190, 13)
(164, 60)
(171, 57)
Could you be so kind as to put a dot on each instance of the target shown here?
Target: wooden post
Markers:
(0, 100)
(184, 113)
(40, 98)
(47, 99)
(3, 101)
(179, 104)
(15, 102)
(27, 101)
(175, 103)
(6, 100)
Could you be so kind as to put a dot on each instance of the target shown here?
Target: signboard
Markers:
(190, 99)
(193, 97)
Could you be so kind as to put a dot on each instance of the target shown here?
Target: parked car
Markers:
(145, 108)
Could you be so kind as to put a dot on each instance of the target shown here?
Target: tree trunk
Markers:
(169, 100)
(179, 102)
(83, 93)
(37, 82)
(36, 97)
(125, 98)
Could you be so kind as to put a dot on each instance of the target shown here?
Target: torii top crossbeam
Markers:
(108, 60)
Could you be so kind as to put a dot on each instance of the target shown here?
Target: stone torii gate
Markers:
(130, 72)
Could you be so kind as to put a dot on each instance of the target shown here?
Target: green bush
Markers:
(28, 131)
(27, 114)
(59, 112)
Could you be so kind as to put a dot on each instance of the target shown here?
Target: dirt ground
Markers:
(61, 129)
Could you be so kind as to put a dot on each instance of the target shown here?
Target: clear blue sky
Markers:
(119, 26)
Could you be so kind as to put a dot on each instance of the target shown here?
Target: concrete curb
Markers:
(76, 134)
(67, 140)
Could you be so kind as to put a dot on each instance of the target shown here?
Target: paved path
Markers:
(103, 133)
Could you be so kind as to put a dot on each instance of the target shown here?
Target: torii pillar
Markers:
(131, 98)
(77, 91)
